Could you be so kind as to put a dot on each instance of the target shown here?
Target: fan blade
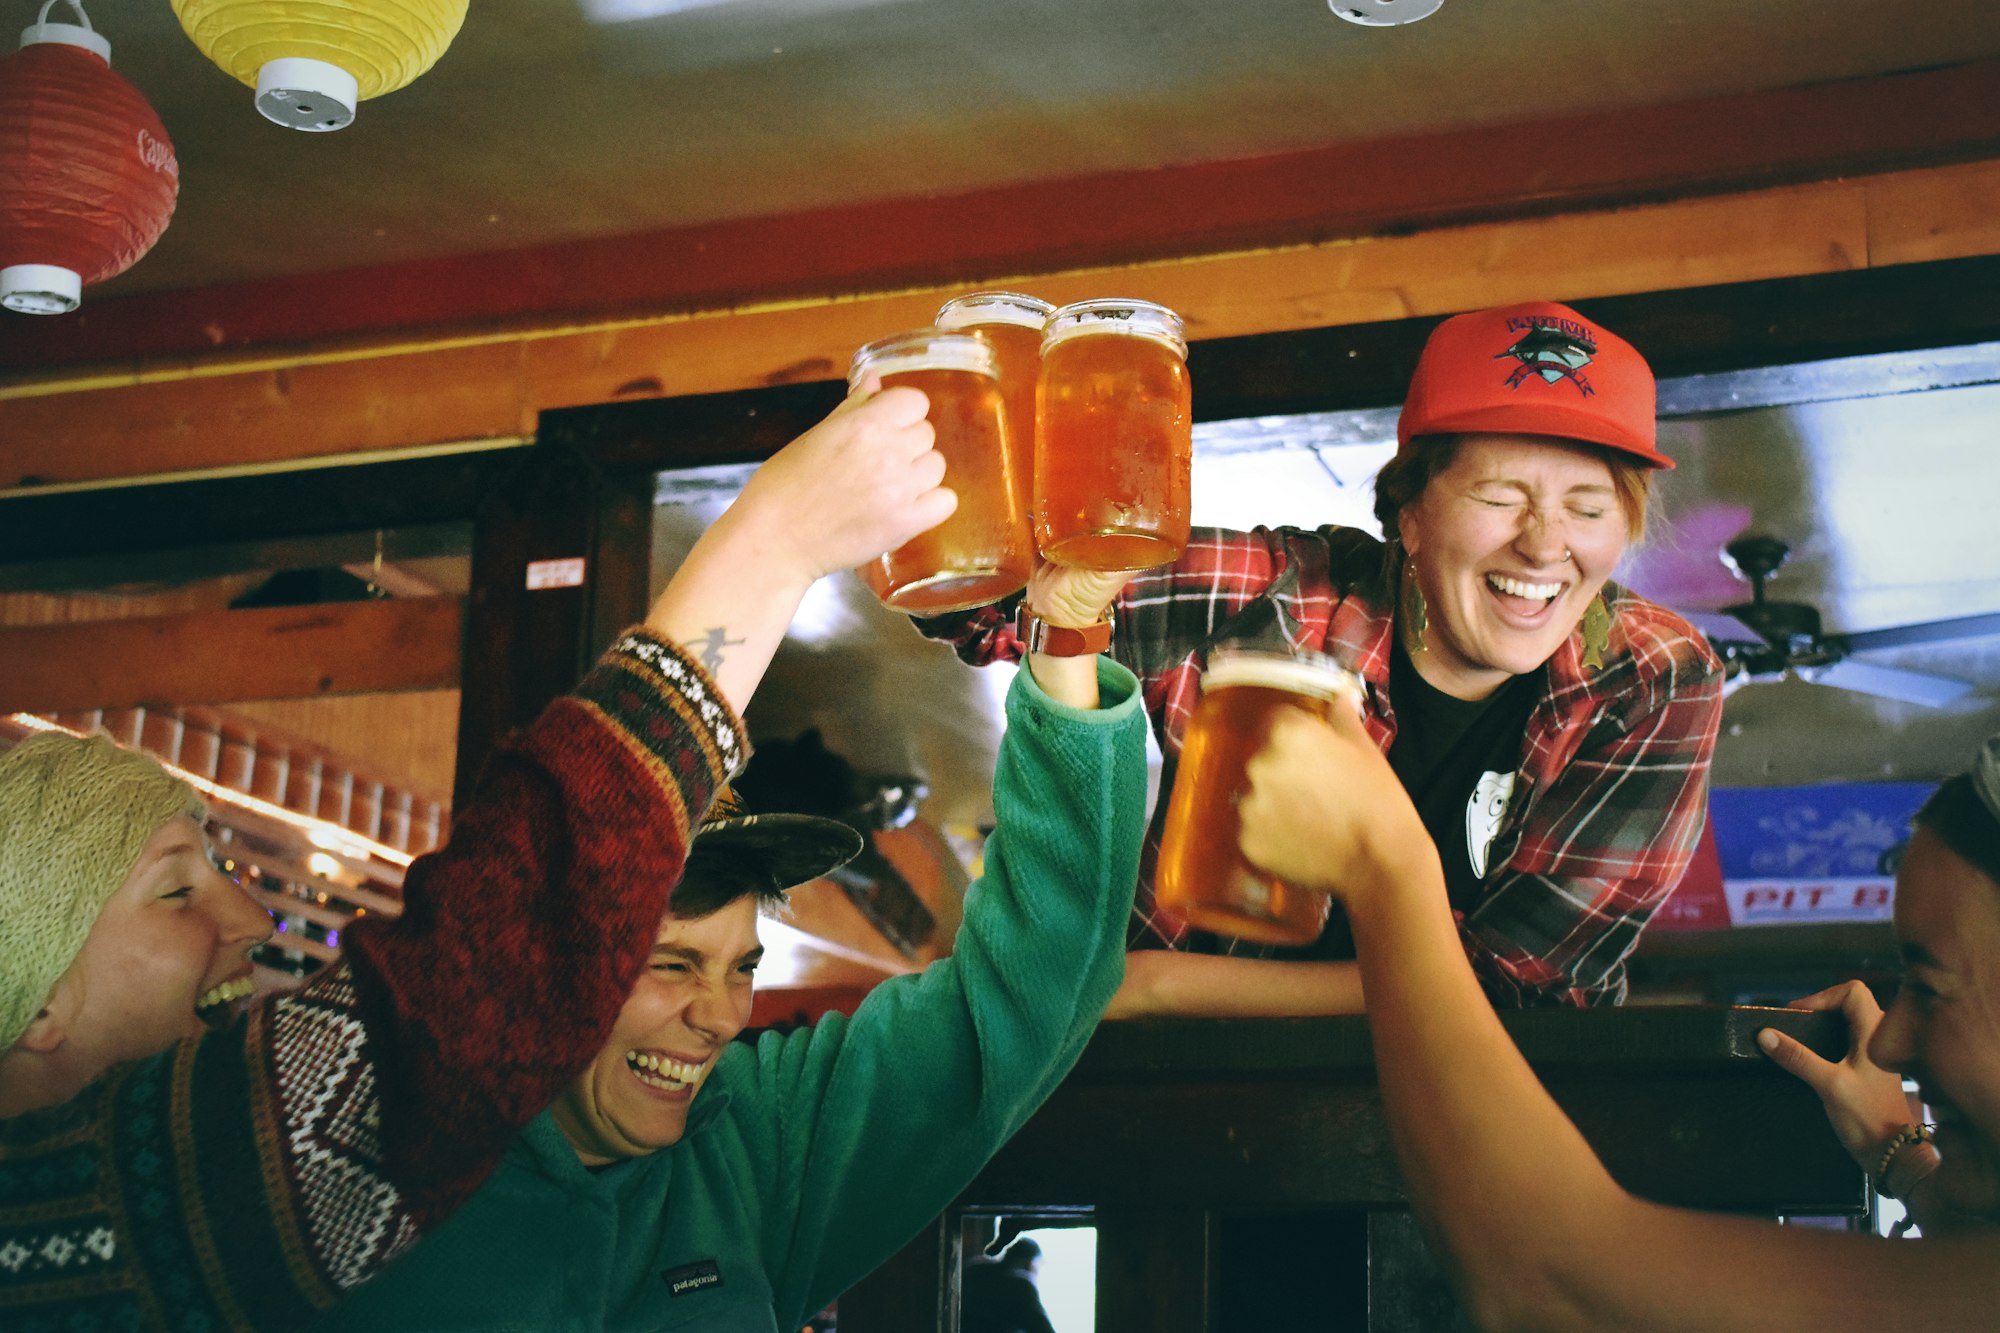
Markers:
(1721, 627)
(1930, 631)
(1911, 687)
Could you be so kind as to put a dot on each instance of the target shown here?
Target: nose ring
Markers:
(1567, 557)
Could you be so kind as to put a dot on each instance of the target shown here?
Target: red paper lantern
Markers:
(87, 175)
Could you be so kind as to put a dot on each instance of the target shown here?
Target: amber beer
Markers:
(985, 550)
(1202, 878)
(1013, 323)
(1113, 447)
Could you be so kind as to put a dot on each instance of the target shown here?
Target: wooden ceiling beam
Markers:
(229, 656)
(1748, 140)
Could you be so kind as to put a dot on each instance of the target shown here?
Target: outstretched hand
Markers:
(1074, 598)
(1864, 1102)
(1324, 809)
(863, 481)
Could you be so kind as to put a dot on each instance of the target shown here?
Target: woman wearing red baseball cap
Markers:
(1553, 729)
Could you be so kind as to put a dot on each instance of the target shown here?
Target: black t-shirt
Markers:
(1456, 759)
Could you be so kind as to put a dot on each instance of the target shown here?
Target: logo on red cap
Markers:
(1456, 389)
(1555, 349)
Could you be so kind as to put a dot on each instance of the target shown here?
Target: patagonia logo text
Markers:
(692, 1277)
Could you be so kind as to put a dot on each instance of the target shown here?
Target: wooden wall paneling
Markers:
(219, 656)
(549, 503)
(1407, 1290)
(1253, 1154)
(406, 737)
(914, 1291)
(405, 393)
(1155, 1269)
(1598, 159)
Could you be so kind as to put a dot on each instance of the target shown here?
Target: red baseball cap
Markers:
(1538, 368)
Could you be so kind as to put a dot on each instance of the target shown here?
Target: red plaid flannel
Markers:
(1611, 792)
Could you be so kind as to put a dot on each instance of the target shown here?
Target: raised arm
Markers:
(1535, 1233)
(857, 484)
(246, 1179)
(894, 1110)
(563, 860)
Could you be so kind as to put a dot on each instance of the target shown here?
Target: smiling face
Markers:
(692, 1000)
(173, 939)
(1510, 541)
(1944, 1028)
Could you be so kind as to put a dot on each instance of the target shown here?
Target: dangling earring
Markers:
(1415, 616)
(1596, 633)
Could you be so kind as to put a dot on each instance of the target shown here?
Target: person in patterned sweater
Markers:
(1554, 729)
(247, 1176)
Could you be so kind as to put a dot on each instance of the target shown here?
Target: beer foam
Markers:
(1135, 319)
(1168, 341)
(925, 350)
(1017, 308)
(1322, 678)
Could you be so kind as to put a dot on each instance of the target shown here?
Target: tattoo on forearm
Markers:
(709, 651)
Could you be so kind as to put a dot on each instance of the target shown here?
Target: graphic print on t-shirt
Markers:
(1483, 816)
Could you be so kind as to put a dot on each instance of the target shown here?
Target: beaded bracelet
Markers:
(1902, 1139)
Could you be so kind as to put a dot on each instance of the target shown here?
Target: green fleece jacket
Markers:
(815, 1155)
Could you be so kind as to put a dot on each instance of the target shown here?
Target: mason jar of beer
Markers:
(985, 550)
(1113, 444)
(1202, 878)
(1013, 323)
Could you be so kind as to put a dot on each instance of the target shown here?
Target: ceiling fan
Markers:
(1764, 639)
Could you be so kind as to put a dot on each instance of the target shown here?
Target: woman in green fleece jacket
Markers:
(758, 1182)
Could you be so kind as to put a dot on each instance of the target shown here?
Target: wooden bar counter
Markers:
(1241, 1177)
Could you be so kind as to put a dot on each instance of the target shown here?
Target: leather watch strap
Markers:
(1039, 636)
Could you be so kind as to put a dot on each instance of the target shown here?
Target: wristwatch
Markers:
(1039, 636)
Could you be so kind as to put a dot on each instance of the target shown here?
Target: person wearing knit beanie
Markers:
(115, 926)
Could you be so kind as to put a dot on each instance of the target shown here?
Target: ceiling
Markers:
(540, 126)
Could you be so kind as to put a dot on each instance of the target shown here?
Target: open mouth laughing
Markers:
(664, 1073)
(1524, 598)
(217, 1005)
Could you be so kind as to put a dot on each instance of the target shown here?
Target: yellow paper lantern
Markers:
(311, 61)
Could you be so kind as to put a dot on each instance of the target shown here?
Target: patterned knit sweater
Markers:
(247, 1178)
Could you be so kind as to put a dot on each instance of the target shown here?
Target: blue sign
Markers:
(1792, 854)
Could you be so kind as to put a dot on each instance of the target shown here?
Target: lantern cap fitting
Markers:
(68, 34)
(40, 289)
(1384, 13)
(310, 95)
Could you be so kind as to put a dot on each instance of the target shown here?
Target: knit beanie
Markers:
(75, 812)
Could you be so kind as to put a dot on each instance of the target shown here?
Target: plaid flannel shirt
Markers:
(1607, 804)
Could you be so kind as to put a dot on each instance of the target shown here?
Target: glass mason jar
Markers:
(1202, 878)
(1113, 444)
(985, 550)
(1013, 323)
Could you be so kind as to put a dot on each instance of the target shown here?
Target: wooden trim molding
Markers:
(230, 656)
(180, 414)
